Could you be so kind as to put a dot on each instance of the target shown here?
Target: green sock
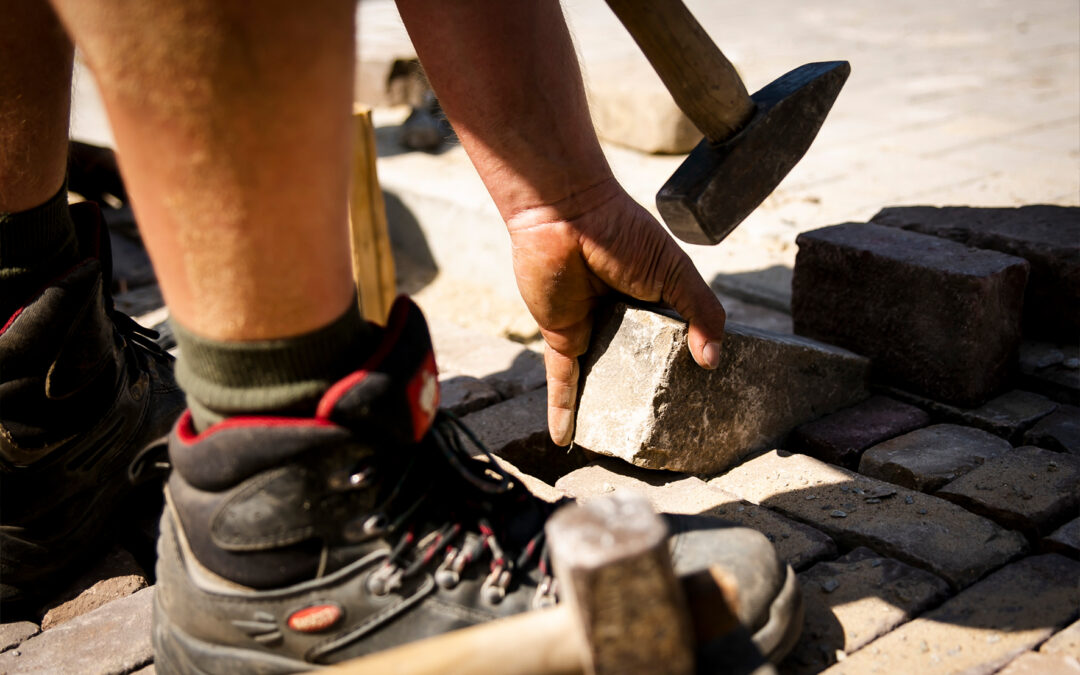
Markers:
(286, 376)
(35, 246)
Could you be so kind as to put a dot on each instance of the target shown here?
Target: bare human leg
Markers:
(232, 126)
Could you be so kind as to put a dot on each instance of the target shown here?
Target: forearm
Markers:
(507, 77)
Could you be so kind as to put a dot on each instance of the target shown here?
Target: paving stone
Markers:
(507, 366)
(13, 633)
(856, 599)
(1048, 237)
(982, 628)
(1029, 489)
(115, 575)
(631, 107)
(926, 459)
(114, 638)
(463, 394)
(645, 400)
(1034, 663)
(1059, 430)
(536, 486)
(516, 430)
(935, 316)
(1065, 540)
(1052, 369)
(859, 511)
(148, 670)
(1066, 641)
(800, 545)
(1009, 415)
(840, 438)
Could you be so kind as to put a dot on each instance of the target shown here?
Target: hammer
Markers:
(622, 609)
(751, 142)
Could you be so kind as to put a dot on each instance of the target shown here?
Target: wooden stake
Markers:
(372, 257)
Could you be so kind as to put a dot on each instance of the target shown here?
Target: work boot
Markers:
(83, 389)
(289, 543)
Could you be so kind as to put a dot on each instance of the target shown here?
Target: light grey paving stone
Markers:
(115, 575)
(1047, 236)
(505, 365)
(982, 628)
(1028, 489)
(114, 638)
(926, 459)
(856, 599)
(800, 545)
(1035, 663)
(1066, 641)
(13, 633)
(859, 511)
(516, 430)
(841, 438)
(1058, 431)
(1065, 540)
(935, 316)
(147, 670)
(463, 394)
(631, 107)
(644, 399)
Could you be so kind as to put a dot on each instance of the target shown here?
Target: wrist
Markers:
(572, 202)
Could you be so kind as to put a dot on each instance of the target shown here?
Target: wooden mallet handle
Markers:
(702, 81)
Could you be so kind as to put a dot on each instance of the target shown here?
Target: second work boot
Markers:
(288, 543)
(83, 389)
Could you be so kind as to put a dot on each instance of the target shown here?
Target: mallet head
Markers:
(719, 184)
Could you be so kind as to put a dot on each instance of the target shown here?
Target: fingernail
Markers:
(711, 354)
(562, 426)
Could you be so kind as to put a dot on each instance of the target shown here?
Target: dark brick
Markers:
(935, 316)
(927, 459)
(840, 438)
(1065, 540)
(517, 431)
(1028, 489)
(463, 394)
(1058, 431)
(1046, 236)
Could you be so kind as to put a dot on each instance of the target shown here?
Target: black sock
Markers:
(36, 245)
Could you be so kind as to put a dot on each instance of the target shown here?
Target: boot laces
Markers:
(472, 535)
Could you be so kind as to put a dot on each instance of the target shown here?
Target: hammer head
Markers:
(614, 572)
(719, 184)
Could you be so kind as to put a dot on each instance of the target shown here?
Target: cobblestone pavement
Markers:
(928, 537)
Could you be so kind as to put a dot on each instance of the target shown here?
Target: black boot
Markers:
(290, 542)
(83, 389)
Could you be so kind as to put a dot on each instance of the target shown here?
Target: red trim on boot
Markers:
(399, 314)
(185, 428)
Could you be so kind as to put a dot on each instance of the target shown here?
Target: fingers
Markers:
(687, 292)
(562, 386)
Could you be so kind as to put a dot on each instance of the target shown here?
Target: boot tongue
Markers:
(394, 395)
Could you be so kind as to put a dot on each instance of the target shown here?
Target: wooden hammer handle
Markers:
(700, 78)
(541, 642)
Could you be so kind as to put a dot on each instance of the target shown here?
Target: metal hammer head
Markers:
(614, 570)
(719, 184)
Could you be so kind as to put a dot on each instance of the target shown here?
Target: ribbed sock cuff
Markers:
(286, 376)
(38, 234)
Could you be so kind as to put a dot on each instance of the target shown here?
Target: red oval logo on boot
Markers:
(315, 618)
